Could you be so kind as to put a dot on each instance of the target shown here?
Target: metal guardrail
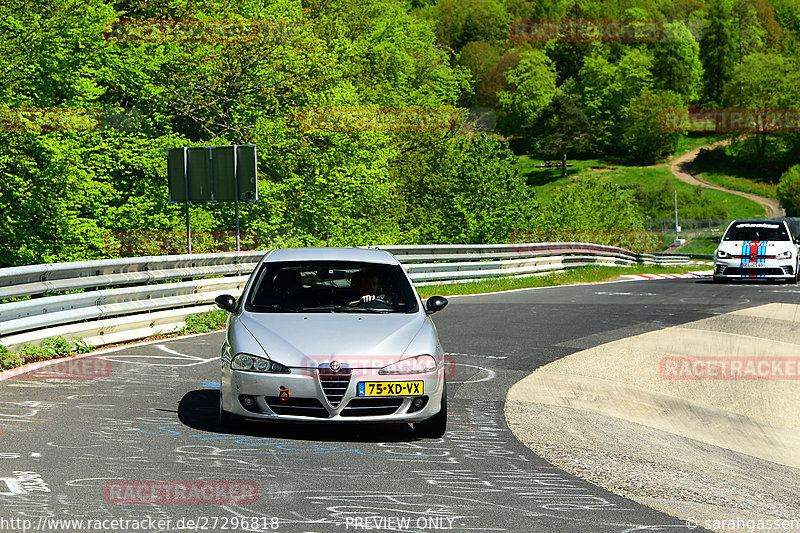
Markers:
(109, 310)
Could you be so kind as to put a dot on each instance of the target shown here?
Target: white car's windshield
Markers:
(331, 286)
(757, 231)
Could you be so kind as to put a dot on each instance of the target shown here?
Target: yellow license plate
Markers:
(391, 388)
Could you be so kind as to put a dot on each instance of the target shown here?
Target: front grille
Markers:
(372, 406)
(297, 407)
(737, 271)
(334, 384)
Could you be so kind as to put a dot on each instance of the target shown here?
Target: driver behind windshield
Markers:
(365, 286)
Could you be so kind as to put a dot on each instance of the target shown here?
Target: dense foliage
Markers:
(69, 193)
(789, 191)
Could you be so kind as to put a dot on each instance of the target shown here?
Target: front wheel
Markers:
(435, 426)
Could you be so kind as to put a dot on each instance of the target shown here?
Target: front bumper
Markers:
(768, 268)
(258, 395)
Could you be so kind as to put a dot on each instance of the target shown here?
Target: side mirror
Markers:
(226, 302)
(436, 303)
(716, 239)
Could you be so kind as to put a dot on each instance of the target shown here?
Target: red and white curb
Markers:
(697, 274)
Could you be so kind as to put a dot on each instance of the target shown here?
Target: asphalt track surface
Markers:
(65, 441)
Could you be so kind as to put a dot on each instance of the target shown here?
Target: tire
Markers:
(436, 426)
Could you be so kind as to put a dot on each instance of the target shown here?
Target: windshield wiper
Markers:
(318, 309)
(347, 309)
(344, 309)
(275, 308)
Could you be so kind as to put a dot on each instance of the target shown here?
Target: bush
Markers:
(58, 346)
(644, 137)
(205, 322)
(591, 204)
(789, 191)
(50, 349)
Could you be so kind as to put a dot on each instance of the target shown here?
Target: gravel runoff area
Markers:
(709, 451)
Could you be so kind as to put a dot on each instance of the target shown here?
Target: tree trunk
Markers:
(564, 165)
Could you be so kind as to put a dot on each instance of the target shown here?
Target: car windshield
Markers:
(331, 287)
(755, 231)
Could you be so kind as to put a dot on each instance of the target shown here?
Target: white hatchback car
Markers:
(333, 335)
(757, 249)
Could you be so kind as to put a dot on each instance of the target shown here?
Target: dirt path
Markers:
(682, 168)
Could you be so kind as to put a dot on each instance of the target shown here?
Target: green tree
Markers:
(532, 84)
(473, 193)
(562, 127)
(644, 137)
(676, 62)
(608, 90)
(764, 82)
(459, 22)
(591, 203)
(789, 191)
(480, 58)
(750, 36)
(717, 49)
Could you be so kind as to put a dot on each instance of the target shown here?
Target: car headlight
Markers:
(251, 363)
(784, 255)
(421, 364)
(722, 254)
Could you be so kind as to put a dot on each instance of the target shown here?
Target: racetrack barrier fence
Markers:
(111, 301)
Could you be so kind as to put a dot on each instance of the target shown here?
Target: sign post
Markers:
(213, 174)
(186, 188)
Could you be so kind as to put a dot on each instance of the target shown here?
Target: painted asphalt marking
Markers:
(670, 276)
(607, 293)
(475, 355)
(491, 374)
(174, 356)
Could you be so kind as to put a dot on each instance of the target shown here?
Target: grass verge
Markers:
(575, 275)
(59, 347)
(700, 245)
(719, 167)
(652, 185)
(54, 348)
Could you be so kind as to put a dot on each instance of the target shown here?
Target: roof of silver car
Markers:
(332, 254)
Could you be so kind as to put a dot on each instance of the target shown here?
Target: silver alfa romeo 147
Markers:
(332, 334)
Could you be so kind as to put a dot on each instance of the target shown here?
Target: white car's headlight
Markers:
(251, 363)
(722, 254)
(421, 364)
(784, 255)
